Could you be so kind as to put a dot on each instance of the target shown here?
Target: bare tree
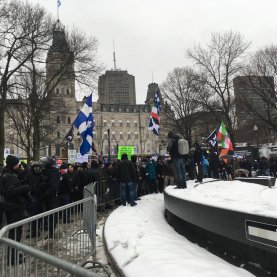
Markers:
(181, 92)
(218, 63)
(72, 57)
(20, 26)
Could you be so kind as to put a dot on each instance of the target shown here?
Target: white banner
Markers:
(72, 157)
(81, 159)
(7, 151)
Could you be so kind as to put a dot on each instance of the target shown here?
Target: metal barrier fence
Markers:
(54, 243)
(107, 190)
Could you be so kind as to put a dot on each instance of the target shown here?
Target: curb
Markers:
(115, 267)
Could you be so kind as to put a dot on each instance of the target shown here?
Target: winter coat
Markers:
(168, 169)
(14, 191)
(172, 148)
(151, 170)
(66, 183)
(50, 184)
(126, 171)
(197, 156)
(35, 181)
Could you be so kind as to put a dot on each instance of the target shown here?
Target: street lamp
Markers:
(255, 129)
(109, 142)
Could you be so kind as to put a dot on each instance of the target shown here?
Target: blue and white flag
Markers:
(59, 2)
(157, 101)
(154, 119)
(84, 124)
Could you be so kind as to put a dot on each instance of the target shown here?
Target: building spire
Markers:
(59, 43)
(58, 5)
(114, 60)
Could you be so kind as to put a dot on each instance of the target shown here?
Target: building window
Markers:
(57, 91)
(128, 123)
(112, 123)
(67, 91)
(136, 135)
(136, 124)
(113, 136)
(58, 119)
(58, 135)
(121, 136)
(105, 123)
(129, 135)
(120, 123)
(69, 120)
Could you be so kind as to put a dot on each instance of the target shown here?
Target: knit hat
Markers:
(63, 168)
(11, 161)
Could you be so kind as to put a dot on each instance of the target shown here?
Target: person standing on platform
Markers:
(197, 157)
(175, 151)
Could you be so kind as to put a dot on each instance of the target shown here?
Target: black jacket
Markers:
(126, 171)
(197, 156)
(66, 183)
(172, 148)
(14, 191)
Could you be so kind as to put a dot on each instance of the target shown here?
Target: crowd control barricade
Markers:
(107, 190)
(54, 243)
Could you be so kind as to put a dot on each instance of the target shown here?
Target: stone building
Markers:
(255, 97)
(117, 87)
(118, 120)
(125, 124)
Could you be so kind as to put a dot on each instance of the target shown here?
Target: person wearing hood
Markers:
(50, 183)
(16, 197)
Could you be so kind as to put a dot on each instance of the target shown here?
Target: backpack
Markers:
(183, 146)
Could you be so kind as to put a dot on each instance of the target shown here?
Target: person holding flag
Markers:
(214, 161)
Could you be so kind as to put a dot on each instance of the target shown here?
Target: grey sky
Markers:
(152, 35)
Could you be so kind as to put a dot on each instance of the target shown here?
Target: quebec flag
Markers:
(84, 124)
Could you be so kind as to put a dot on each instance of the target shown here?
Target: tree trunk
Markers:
(36, 140)
(2, 130)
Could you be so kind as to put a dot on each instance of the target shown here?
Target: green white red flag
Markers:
(223, 138)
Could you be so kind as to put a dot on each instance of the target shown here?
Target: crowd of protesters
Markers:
(42, 186)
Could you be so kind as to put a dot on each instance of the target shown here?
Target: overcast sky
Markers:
(152, 35)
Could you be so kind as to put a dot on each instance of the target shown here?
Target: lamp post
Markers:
(109, 142)
(255, 129)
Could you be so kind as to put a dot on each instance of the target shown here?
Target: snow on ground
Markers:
(232, 195)
(143, 244)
